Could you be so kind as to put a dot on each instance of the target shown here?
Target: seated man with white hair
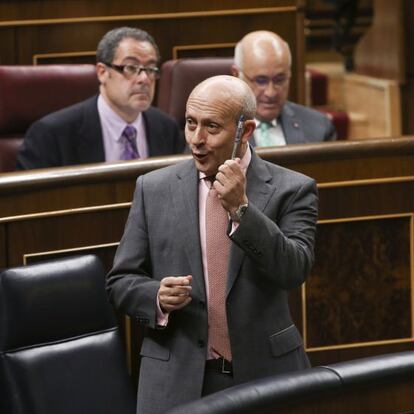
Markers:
(263, 60)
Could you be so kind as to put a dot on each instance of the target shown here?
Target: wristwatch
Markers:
(238, 214)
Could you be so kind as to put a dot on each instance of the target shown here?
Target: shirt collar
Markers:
(113, 121)
(273, 122)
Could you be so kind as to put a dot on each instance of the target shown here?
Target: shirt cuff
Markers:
(162, 318)
(234, 225)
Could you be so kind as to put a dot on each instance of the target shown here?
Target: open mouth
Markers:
(199, 156)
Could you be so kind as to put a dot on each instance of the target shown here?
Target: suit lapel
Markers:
(90, 145)
(154, 133)
(184, 193)
(291, 126)
(150, 132)
(259, 190)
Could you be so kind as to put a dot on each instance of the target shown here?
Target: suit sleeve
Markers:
(280, 240)
(39, 149)
(129, 283)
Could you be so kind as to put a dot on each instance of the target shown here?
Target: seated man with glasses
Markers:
(263, 60)
(117, 124)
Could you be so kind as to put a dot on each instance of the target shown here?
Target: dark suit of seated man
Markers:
(263, 60)
(119, 123)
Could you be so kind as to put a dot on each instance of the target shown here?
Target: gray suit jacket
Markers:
(272, 252)
(302, 125)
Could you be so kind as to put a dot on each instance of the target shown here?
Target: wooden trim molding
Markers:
(360, 345)
(375, 181)
(81, 249)
(56, 213)
(40, 56)
(338, 150)
(176, 49)
(151, 16)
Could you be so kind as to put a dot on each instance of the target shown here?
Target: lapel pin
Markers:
(295, 125)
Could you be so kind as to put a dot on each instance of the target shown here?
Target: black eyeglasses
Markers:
(262, 81)
(130, 70)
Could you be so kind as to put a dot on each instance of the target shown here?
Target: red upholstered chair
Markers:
(8, 153)
(340, 119)
(318, 87)
(319, 83)
(178, 79)
(28, 93)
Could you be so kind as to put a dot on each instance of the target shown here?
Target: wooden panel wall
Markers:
(381, 51)
(407, 90)
(385, 51)
(358, 299)
(320, 25)
(55, 31)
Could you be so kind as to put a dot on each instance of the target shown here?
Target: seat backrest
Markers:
(27, 93)
(60, 350)
(265, 395)
(180, 76)
(9, 148)
(377, 384)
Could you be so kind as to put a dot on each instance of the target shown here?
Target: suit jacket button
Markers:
(201, 343)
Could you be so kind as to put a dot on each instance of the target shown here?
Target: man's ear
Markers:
(101, 72)
(235, 71)
(249, 127)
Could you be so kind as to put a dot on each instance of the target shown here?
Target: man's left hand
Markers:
(230, 185)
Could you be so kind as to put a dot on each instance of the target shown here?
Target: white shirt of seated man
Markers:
(268, 134)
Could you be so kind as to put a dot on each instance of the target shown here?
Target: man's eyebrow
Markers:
(210, 121)
(150, 62)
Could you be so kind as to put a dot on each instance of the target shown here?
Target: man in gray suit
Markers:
(263, 60)
(208, 330)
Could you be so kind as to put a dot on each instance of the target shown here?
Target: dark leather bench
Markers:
(380, 384)
(60, 349)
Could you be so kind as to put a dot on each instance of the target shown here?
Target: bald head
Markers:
(212, 113)
(263, 60)
(234, 95)
(258, 45)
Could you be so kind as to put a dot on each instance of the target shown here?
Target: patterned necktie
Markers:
(128, 138)
(263, 139)
(218, 252)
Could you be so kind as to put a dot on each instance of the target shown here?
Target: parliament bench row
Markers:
(30, 92)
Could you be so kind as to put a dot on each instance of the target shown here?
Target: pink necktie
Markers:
(129, 136)
(218, 251)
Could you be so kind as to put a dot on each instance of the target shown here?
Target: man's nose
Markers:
(271, 89)
(198, 136)
(142, 77)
